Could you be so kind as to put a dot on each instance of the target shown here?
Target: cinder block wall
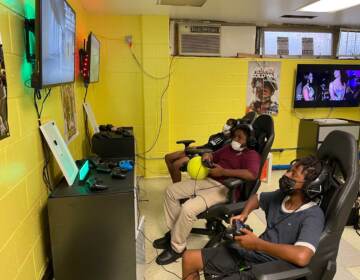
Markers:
(24, 245)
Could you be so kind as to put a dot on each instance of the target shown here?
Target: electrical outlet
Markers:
(128, 39)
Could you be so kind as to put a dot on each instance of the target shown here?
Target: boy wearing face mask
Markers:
(233, 160)
(294, 226)
(174, 161)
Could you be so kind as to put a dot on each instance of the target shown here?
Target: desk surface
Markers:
(114, 186)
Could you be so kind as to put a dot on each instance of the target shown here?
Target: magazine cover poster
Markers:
(263, 87)
(69, 110)
(4, 125)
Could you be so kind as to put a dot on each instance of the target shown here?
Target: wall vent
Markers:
(199, 39)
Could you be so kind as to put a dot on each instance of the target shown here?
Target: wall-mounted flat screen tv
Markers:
(93, 48)
(55, 36)
(327, 85)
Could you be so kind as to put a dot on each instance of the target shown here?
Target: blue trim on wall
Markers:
(281, 167)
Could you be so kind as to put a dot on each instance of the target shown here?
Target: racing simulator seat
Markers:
(191, 152)
(342, 187)
(239, 190)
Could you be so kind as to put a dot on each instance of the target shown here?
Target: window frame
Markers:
(311, 29)
(357, 30)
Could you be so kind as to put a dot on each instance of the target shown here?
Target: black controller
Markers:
(118, 173)
(235, 229)
(208, 163)
(237, 226)
(96, 184)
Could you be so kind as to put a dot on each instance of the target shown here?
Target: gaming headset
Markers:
(250, 139)
(315, 187)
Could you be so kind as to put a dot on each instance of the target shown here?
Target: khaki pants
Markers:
(180, 217)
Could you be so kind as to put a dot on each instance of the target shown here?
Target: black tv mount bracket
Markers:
(29, 28)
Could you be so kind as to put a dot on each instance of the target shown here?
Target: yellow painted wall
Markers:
(24, 249)
(155, 59)
(125, 95)
(203, 92)
(207, 91)
(118, 98)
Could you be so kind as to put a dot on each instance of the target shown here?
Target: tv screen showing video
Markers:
(57, 39)
(93, 47)
(320, 85)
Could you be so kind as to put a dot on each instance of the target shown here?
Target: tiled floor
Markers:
(151, 195)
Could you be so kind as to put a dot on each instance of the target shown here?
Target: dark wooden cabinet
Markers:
(312, 133)
(97, 235)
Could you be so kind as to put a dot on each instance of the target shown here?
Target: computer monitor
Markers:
(55, 40)
(93, 48)
(327, 85)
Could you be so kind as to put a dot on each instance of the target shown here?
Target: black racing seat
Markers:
(190, 152)
(343, 185)
(239, 190)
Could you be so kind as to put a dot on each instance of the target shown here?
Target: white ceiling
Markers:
(240, 11)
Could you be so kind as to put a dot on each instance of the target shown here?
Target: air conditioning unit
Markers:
(199, 39)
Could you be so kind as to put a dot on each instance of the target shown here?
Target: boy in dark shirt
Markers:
(294, 226)
(233, 160)
(175, 160)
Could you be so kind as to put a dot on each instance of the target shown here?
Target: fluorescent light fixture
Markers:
(193, 3)
(329, 6)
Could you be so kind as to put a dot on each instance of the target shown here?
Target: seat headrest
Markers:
(249, 117)
(346, 156)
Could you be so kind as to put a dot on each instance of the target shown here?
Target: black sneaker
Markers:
(168, 256)
(163, 242)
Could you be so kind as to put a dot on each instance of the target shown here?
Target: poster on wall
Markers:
(4, 125)
(69, 109)
(263, 87)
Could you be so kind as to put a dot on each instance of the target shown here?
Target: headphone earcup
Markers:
(312, 190)
(251, 142)
(316, 187)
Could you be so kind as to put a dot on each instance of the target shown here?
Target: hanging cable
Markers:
(86, 92)
(146, 72)
(86, 124)
(42, 104)
(45, 148)
(161, 110)
(137, 61)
